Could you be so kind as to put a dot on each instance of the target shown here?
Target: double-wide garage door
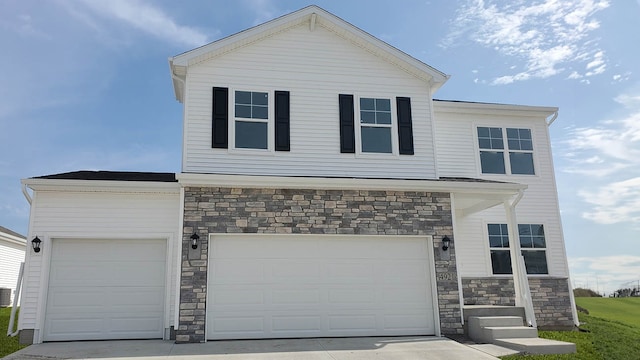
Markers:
(263, 286)
(106, 289)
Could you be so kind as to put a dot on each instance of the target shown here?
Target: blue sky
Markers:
(86, 85)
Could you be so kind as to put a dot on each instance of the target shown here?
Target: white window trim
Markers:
(506, 150)
(358, 127)
(545, 248)
(270, 150)
(488, 248)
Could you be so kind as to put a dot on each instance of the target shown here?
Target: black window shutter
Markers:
(405, 127)
(347, 127)
(282, 120)
(219, 118)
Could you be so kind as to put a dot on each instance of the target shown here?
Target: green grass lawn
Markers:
(613, 327)
(8, 345)
(623, 310)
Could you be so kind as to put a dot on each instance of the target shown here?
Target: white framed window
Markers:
(375, 119)
(493, 150)
(532, 244)
(252, 120)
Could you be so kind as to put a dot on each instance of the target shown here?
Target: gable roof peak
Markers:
(314, 15)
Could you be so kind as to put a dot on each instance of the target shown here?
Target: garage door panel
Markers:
(369, 248)
(63, 300)
(350, 286)
(130, 324)
(406, 271)
(243, 248)
(404, 296)
(406, 322)
(292, 297)
(237, 271)
(242, 324)
(107, 299)
(355, 270)
(93, 250)
(140, 273)
(290, 270)
(235, 296)
(345, 322)
(359, 295)
(300, 324)
(62, 327)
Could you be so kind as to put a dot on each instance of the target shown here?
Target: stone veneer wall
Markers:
(239, 210)
(550, 295)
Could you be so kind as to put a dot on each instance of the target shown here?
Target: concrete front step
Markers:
(491, 310)
(537, 345)
(508, 332)
(484, 321)
(485, 329)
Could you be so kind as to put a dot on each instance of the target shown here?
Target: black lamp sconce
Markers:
(35, 243)
(445, 243)
(194, 241)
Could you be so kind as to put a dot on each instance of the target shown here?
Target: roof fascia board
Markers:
(341, 27)
(362, 37)
(246, 36)
(487, 108)
(101, 185)
(12, 239)
(284, 182)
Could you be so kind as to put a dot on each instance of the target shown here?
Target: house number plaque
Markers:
(445, 276)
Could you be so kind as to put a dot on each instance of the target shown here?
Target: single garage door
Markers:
(262, 286)
(106, 289)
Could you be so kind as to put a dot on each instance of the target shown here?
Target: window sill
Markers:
(252, 152)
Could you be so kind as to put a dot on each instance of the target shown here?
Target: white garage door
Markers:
(314, 286)
(105, 289)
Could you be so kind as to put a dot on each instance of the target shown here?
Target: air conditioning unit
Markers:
(5, 297)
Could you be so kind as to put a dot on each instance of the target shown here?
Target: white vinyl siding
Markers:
(458, 156)
(472, 251)
(97, 215)
(315, 67)
(11, 255)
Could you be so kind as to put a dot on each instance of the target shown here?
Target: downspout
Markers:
(574, 311)
(555, 116)
(26, 193)
(520, 280)
(14, 308)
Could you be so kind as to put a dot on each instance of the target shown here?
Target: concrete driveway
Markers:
(380, 348)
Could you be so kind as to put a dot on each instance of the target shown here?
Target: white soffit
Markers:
(464, 107)
(102, 185)
(287, 182)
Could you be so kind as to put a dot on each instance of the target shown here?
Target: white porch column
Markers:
(520, 280)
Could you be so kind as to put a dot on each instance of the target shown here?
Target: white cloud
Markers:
(547, 35)
(574, 75)
(149, 19)
(605, 273)
(610, 154)
(616, 202)
(264, 10)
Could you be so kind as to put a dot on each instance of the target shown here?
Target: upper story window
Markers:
(532, 244)
(492, 151)
(251, 119)
(375, 125)
(251, 125)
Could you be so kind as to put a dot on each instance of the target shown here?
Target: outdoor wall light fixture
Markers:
(445, 243)
(36, 244)
(194, 241)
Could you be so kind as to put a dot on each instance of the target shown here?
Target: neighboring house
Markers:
(323, 192)
(12, 247)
